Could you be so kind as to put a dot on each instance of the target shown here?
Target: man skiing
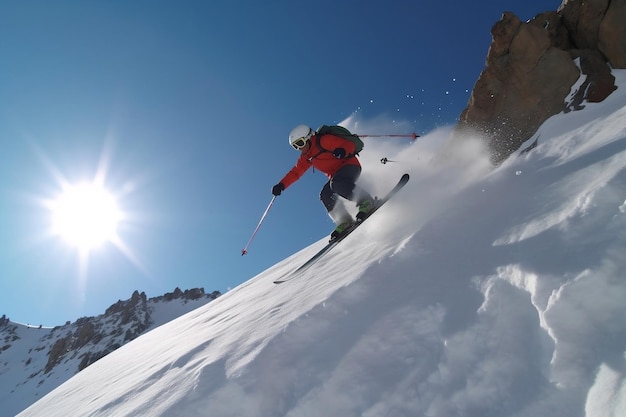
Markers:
(334, 156)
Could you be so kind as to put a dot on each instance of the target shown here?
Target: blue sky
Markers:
(184, 112)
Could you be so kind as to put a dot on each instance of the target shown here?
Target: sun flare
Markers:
(85, 216)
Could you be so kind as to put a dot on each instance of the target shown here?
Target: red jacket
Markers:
(322, 159)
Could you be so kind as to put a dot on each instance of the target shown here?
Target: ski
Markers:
(379, 203)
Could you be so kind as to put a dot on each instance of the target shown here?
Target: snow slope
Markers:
(473, 293)
(34, 360)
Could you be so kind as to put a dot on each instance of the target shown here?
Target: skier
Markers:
(334, 156)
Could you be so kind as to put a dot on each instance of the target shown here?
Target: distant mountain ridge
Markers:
(34, 360)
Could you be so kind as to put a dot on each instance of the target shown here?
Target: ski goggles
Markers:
(299, 143)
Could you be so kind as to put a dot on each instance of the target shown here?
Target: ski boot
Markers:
(366, 207)
(341, 229)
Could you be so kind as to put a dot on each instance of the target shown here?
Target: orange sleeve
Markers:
(302, 165)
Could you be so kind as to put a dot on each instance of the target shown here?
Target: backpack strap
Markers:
(317, 137)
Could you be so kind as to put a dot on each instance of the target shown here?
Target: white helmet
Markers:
(300, 135)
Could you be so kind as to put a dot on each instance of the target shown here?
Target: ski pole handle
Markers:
(269, 206)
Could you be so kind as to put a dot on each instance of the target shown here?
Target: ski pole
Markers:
(412, 136)
(269, 206)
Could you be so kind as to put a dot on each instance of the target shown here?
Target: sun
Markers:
(85, 215)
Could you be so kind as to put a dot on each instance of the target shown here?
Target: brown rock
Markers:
(532, 66)
(599, 82)
(582, 19)
(58, 350)
(612, 34)
(526, 81)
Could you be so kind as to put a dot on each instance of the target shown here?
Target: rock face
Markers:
(597, 25)
(532, 66)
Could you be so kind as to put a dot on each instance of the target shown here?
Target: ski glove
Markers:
(339, 153)
(278, 188)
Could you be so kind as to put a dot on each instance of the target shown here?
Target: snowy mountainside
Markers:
(475, 292)
(34, 360)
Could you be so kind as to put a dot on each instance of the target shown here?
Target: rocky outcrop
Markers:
(612, 34)
(597, 25)
(532, 66)
(191, 294)
(57, 352)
